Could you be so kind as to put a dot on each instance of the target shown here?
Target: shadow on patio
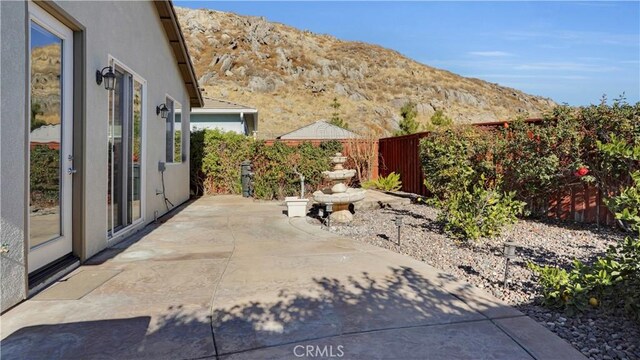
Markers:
(401, 303)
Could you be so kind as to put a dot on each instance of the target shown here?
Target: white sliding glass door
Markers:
(124, 173)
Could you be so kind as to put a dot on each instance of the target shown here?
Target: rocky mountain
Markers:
(45, 83)
(292, 77)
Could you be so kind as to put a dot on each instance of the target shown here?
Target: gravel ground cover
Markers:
(598, 333)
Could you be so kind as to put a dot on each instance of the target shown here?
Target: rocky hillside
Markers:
(292, 77)
(45, 83)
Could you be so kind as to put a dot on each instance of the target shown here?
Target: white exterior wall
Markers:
(13, 133)
(132, 33)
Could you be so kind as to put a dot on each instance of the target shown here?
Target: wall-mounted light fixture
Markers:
(162, 110)
(109, 78)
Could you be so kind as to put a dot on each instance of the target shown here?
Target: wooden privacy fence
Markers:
(401, 155)
(580, 203)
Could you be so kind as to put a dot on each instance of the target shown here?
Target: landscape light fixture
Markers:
(109, 78)
(162, 110)
(398, 222)
(329, 209)
(509, 252)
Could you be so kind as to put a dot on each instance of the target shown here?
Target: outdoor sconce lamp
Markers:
(109, 78)
(329, 209)
(509, 252)
(162, 110)
(398, 222)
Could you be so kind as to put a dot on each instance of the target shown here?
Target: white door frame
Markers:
(56, 248)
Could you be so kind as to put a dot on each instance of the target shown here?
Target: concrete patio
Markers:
(230, 278)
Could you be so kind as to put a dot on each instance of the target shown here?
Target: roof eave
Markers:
(223, 111)
(169, 21)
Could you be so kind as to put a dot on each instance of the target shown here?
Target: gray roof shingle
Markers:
(320, 130)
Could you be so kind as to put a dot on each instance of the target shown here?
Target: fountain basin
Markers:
(349, 196)
(338, 159)
(339, 174)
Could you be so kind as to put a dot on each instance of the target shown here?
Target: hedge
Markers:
(216, 157)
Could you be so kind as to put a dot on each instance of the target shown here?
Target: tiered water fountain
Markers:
(339, 195)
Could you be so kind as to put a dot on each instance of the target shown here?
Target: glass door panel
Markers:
(125, 152)
(46, 136)
(50, 123)
(117, 149)
(136, 154)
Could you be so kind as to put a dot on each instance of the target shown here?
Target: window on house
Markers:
(174, 133)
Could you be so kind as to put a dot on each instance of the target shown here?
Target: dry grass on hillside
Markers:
(292, 76)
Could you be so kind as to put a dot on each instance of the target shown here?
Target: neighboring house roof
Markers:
(46, 134)
(319, 130)
(217, 106)
(178, 45)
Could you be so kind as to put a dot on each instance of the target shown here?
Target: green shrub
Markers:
(571, 290)
(560, 289)
(609, 280)
(220, 158)
(408, 124)
(274, 168)
(628, 256)
(440, 119)
(598, 144)
(534, 159)
(331, 147)
(615, 277)
(389, 183)
(445, 161)
(610, 142)
(458, 171)
(481, 210)
(626, 206)
(216, 157)
(44, 181)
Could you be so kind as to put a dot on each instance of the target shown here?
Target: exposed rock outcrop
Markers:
(292, 76)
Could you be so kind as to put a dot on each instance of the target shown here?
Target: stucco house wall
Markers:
(13, 135)
(132, 33)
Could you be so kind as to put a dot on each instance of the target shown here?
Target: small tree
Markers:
(363, 152)
(408, 124)
(36, 110)
(335, 116)
(440, 119)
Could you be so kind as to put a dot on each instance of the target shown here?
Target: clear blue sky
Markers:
(572, 52)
